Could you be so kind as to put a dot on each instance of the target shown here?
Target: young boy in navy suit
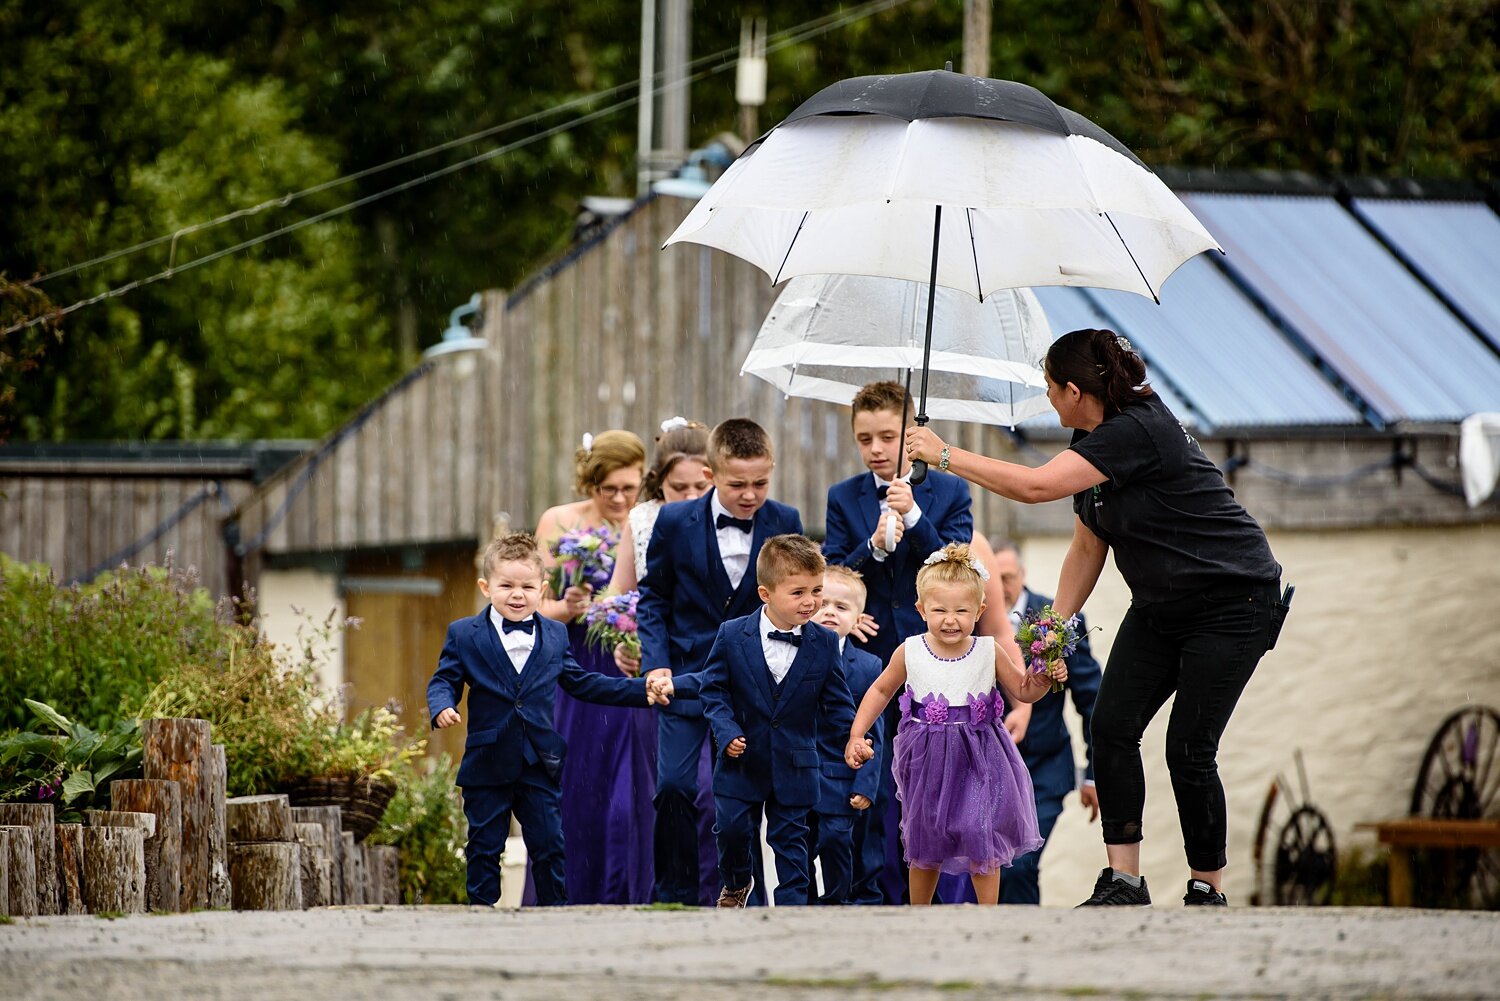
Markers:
(923, 519)
(512, 661)
(846, 799)
(700, 572)
(772, 680)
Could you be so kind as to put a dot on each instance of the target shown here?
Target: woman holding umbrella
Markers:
(1204, 603)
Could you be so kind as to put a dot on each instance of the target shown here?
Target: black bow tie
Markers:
(881, 491)
(795, 639)
(729, 521)
(507, 626)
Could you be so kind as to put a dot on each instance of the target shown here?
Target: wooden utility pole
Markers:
(977, 37)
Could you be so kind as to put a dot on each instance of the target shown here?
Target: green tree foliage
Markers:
(126, 122)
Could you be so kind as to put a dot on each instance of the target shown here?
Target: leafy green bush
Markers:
(89, 650)
(69, 768)
(425, 820)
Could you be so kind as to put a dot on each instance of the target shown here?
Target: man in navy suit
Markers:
(847, 799)
(866, 513)
(512, 661)
(700, 573)
(772, 681)
(1043, 740)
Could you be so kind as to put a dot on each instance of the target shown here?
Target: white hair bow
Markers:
(588, 443)
(941, 556)
(672, 424)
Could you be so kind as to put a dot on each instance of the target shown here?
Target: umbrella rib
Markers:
(800, 223)
(974, 250)
(1132, 258)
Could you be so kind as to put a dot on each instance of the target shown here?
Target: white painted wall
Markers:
(294, 606)
(1390, 631)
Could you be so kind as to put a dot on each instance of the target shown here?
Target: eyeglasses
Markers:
(618, 491)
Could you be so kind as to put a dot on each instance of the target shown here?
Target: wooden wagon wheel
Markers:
(1305, 859)
(1460, 780)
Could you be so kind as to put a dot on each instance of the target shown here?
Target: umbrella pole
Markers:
(905, 409)
(918, 467)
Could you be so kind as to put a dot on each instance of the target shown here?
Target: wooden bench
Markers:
(1401, 836)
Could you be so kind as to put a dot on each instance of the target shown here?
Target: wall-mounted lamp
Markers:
(458, 337)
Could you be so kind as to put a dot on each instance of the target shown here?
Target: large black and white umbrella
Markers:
(937, 177)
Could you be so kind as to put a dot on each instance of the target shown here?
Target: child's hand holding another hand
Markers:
(858, 751)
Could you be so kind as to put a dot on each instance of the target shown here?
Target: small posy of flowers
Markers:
(612, 621)
(1046, 638)
(584, 556)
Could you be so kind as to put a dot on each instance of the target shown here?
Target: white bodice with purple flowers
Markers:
(642, 520)
(933, 681)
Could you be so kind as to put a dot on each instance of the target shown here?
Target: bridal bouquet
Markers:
(1045, 639)
(612, 621)
(585, 556)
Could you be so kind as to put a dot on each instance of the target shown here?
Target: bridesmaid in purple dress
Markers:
(610, 773)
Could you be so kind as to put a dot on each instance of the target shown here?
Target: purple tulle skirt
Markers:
(966, 799)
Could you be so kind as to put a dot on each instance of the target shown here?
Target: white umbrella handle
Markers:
(890, 534)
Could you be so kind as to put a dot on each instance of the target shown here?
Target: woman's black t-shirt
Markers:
(1165, 509)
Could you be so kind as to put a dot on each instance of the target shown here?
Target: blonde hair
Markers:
(607, 452)
(955, 563)
(784, 555)
(519, 547)
(852, 579)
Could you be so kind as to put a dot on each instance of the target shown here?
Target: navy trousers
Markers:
(831, 836)
(1052, 779)
(737, 831)
(536, 801)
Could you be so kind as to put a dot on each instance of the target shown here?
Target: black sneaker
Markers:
(1112, 892)
(1200, 894)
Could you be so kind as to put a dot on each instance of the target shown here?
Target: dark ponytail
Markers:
(1101, 364)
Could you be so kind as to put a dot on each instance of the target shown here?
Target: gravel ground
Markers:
(848, 954)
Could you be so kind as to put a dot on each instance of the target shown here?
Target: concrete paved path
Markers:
(891, 954)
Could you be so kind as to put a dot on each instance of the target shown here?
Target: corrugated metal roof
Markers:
(1354, 303)
(1456, 246)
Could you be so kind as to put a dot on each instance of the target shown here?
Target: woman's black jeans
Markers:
(1204, 648)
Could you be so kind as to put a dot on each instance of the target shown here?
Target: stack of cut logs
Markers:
(173, 842)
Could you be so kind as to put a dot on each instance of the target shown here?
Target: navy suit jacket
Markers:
(780, 723)
(839, 780)
(510, 714)
(685, 594)
(891, 584)
(1047, 734)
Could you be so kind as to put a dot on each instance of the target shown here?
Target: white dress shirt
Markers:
(779, 655)
(517, 644)
(908, 519)
(734, 545)
(1018, 610)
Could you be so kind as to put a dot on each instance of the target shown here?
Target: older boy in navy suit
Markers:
(512, 661)
(847, 798)
(773, 679)
(700, 572)
(923, 519)
(1044, 742)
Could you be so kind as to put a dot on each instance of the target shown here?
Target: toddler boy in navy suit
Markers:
(846, 799)
(512, 661)
(772, 680)
(700, 573)
(923, 518)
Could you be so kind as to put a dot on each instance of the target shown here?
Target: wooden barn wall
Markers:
(75, 523)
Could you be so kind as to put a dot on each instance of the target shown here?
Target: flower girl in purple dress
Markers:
(966, 800)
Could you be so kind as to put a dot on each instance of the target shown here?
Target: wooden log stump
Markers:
(218, 842)
(114, 870)
(388, 860)
(38, 817)
(373, 892)
(151, 846)
(4, 873)
(265, 876)
(314, 865)
(354, 870)
(331, 819)
(163, 800)
(178, 750)
(258, 818)
(20, 876)
(70, 868)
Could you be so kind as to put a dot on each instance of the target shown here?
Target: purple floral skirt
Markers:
(966, 799)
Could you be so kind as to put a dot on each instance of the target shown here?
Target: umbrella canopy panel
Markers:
(828, 335)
